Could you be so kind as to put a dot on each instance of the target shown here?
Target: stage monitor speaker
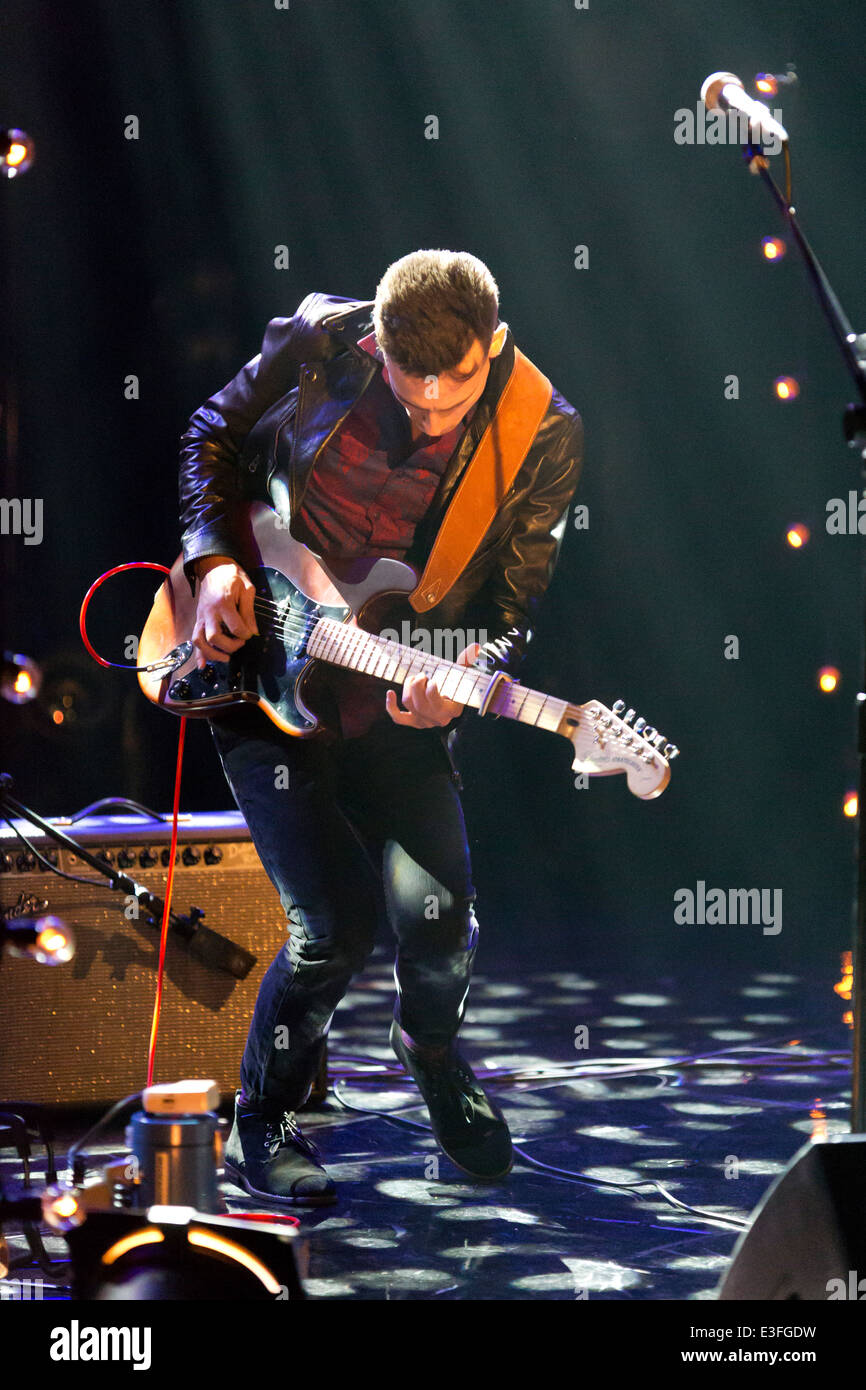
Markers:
(78, 1033)
(808, 1235)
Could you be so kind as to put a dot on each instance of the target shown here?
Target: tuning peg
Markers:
(618, 706)
(639, 725)
(648, 733)
(670, 751)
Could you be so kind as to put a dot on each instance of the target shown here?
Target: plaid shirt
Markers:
(372, 483)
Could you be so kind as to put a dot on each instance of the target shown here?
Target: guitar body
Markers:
(302, 696)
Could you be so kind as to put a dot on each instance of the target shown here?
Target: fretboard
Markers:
(345, 645)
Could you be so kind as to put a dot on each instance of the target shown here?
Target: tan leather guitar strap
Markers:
(488, 476)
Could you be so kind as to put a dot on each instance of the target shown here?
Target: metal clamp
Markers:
(495, 681)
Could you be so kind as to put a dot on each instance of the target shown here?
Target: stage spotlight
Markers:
(786, 388)
(849, 806)
(16, 152)
(20, 678)
(180, 1253)
(47, 940)
(797, 536)
(773, 248)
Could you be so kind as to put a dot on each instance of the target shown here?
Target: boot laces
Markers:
(284, 1130)
(454, 1081)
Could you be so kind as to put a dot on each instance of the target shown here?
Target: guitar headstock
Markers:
(607, 741)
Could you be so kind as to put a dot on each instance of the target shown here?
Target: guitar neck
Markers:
(345, 645)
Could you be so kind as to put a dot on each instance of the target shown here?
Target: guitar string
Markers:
(301, 624)
(422, 662)
(286, 622)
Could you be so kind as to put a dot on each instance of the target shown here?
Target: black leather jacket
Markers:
(260, 436)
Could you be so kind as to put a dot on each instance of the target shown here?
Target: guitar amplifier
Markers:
(78, 1033)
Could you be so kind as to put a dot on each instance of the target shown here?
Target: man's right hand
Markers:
(224, 618)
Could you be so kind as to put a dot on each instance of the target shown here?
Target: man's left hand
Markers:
(424, 705)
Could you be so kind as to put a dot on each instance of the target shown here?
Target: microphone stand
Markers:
(853, 348)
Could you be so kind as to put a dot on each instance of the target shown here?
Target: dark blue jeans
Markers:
(347, 833)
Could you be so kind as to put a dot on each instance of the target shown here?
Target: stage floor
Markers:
(714, 1133)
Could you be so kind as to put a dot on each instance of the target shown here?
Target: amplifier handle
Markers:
(116, 802)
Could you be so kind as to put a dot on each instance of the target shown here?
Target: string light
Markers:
(828, 679)
(797, 536)
(787, 389)
(767, 84)
(16, 153)
(20, 678)
(773, 247)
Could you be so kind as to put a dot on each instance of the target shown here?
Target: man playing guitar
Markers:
(356, 423)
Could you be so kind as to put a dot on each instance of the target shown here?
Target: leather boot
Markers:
(468, 1125)
(269, 1157)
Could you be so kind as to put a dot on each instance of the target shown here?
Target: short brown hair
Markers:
(431, 306)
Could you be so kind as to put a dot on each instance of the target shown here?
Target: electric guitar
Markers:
(316, 619)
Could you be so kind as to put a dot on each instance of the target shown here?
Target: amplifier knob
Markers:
(125, 859)
(165, 856)
(26, 862)
(148, 857)
(191, 855)
(213, 854)
(7, 862)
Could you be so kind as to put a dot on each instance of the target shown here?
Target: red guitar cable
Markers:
(125, 666)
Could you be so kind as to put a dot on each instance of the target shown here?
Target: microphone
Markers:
(725, 91)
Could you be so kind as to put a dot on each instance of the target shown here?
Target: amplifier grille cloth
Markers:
(79, 1032)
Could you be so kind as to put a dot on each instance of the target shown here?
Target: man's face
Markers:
(436, 404)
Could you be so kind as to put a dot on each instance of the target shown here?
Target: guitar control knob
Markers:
(209, 674)
(191, 855)
(213, 854)
(180, 690)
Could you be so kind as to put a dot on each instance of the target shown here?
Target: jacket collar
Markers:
(349, 324)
